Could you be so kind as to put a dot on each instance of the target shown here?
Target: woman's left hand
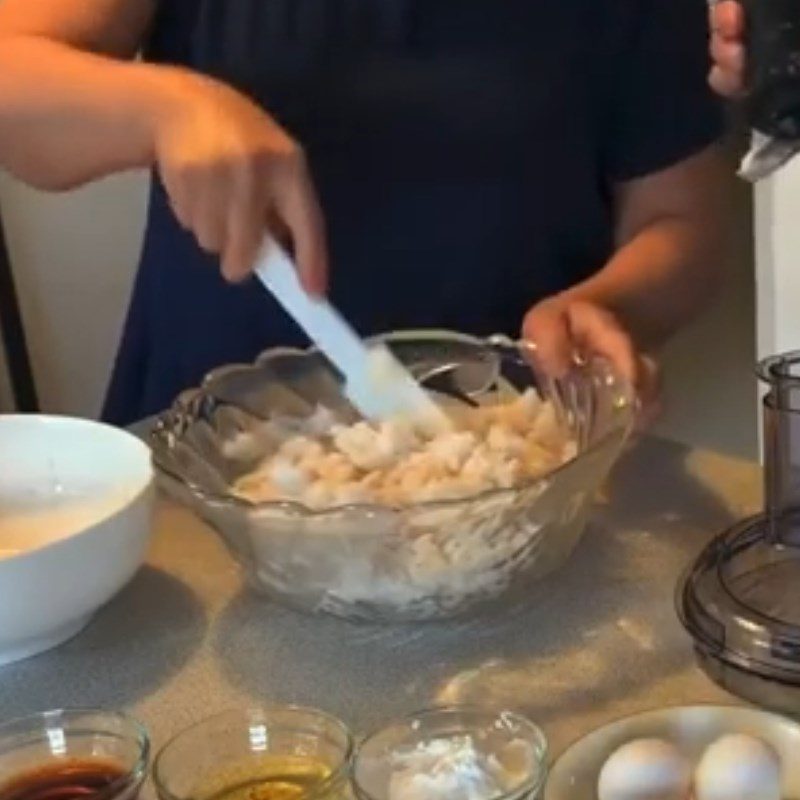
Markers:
(563, 329)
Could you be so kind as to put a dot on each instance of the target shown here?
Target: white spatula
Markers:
(376, 383)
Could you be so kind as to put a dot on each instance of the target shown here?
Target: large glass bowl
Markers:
(427, 561)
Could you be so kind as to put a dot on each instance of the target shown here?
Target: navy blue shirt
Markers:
(464, 150)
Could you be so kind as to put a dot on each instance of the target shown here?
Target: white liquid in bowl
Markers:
(29, 526)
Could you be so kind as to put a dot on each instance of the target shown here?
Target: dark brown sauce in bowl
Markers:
(84, 779)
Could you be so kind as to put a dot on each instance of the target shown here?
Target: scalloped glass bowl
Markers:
(428, 561)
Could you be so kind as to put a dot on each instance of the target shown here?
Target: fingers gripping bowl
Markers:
(401, 561)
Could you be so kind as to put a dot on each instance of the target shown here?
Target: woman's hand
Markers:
(727, 49)
(229, 170)
(564, 329)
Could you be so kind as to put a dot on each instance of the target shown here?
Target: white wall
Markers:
(74, 257)
(777, 218)
(710, 386)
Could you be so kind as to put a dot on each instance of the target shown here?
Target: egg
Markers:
(738, 767)
(645, 769)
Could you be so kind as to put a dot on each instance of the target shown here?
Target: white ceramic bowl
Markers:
(692, 728)
(76, 502)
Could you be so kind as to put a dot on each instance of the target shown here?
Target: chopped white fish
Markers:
(288, 478)
(453, 449)
(325, 463)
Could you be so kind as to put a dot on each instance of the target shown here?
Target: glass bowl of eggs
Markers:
(390, 521)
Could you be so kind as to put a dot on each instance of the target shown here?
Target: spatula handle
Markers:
(323, 324)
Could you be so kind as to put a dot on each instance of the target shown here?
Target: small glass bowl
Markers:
(504, 739)
(224, 756)
(41, 742)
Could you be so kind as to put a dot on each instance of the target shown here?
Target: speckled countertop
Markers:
(598, 640)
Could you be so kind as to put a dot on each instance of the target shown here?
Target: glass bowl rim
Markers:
(297, 509)
(529, 786)
(133, 775)
(336, 775)
(775, 368)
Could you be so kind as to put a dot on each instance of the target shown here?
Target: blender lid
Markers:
(740, 601)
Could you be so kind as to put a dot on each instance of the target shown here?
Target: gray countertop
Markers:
(597, 640)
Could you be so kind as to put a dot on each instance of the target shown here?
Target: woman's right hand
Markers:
(727, 48)
(229, 170)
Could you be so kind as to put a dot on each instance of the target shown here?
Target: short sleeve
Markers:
(171, 34)
(662, 109)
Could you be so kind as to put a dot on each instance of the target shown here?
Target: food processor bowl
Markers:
(740, 600)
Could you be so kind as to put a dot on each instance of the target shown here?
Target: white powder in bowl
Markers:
(455, 769)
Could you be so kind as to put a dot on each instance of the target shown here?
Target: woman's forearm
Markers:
(670, 234)
(67, 117)
(658, 281)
